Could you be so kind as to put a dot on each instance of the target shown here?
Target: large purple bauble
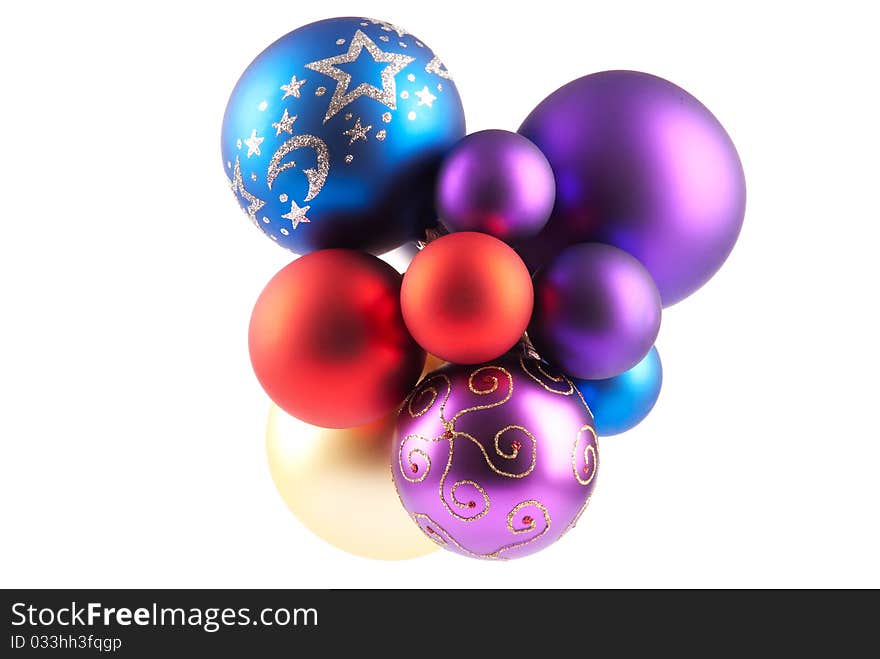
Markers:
(597, 311)
(495, 461)
(642, 165)
(496, 182)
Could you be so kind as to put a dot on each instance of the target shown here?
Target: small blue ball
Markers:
(333, 136)
(620, 403)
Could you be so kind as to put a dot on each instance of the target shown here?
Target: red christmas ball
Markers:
(328, 342)
(467, 298)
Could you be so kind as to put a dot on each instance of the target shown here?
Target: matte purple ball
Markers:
(597, 311)
(496, 182)
(495, 461)
(642, 165)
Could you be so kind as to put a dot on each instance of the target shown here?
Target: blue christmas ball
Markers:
(622, 402)
(333, 136)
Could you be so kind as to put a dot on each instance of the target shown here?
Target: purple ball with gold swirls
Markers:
(495, 461)
(496, 182)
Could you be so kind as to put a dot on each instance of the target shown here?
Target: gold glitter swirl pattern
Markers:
(516, 445)
(493, 383)
(511, 453)
(427, 388)
(516, 448)
(436, 532)
(413, 471)
(471, 510)
(558, 384)
(589, 456)
(518, 524)
(583, 400)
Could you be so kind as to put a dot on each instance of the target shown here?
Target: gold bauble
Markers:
(338, 483)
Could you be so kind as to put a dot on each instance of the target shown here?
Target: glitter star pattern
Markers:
(426, 97)
(297, 214)
(254, 204)
(436, 67)
(357, 132)
(284, 124)
(390, 27)
(253, 143)
(387, 95)
(301, 116)
(292, 88)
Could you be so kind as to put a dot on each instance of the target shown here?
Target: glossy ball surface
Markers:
(620, 403)
(597, 311)
(333, 135)
(467, 298)
(327, 340)
(496, 182)
(495, 461)
(642, 165)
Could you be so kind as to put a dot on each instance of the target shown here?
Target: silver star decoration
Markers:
(426, 97)
(292, 89)
(436, 67)
(357, 132)
(390, 27)
(296, 214)
(254, 204)
(285, 123)
(253, 143)
(342, 96)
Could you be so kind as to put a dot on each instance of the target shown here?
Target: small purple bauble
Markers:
(496, 182)
(642, 165)
(597, 311)
(495, 461)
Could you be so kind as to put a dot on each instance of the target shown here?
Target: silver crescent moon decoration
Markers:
(315, 175)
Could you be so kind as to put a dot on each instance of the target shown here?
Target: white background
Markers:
(130, 421)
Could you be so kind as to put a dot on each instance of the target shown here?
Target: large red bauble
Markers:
(467, 297)
(328, 342)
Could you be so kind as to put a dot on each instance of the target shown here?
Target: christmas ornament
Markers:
(597, 311)
(336, 483)
(622, 402)
(467, 297)
(496, 182)
(327, 339)
(495, 461)
(622, 193)
(642, 165)
(333, 135)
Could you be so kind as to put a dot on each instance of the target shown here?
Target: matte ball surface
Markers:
(327, 339)
(336, 483)
(496, 182)
(467, 298)
(620, 403)
(597, 311)
(642, 165)
(495, 461)
(333, 136)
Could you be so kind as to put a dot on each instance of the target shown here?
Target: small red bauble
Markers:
(327, 339)
(467, 297)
